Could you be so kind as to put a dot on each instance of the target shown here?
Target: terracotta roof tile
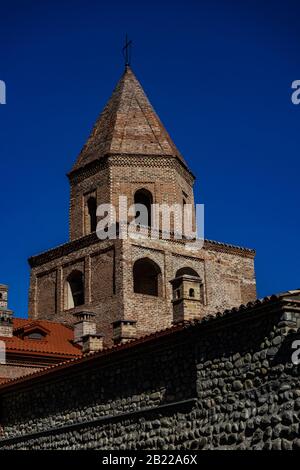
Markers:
(58, 339)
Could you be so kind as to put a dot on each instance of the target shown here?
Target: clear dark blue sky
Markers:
(219, 75)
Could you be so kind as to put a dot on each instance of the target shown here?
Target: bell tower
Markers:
(125, 285)
(128, 153)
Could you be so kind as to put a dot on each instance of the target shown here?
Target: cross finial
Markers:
(127, 51)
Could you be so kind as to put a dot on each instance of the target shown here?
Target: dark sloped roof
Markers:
(128, 125)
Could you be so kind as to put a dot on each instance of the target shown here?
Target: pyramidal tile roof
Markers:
(127, 125)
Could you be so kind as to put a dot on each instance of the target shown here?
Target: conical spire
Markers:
(127, 125)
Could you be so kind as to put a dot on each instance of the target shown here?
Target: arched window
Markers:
(144, 197)
(192, 293)
(188, 271)
(146, 277)
(183, 209)
(91, 209)
(74, 290)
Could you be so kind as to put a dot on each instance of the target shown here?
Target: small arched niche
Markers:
(186, 271)
(192, 292)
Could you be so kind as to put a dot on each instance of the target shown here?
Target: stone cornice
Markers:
(88, 240)
(64, 249)
(228, 248)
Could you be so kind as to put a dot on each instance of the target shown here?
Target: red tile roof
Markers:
(58, 339)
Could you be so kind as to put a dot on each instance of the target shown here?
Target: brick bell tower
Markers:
(128, 153)
(127, 283)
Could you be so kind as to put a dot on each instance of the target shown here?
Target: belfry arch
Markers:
(144, 197)
(74, 290)
(147, 277)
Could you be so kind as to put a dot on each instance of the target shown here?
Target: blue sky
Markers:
(219, 75)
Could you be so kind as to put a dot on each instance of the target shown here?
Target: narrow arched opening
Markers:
(144, 198)
(91, 217)
(192, 292)
(74, 290)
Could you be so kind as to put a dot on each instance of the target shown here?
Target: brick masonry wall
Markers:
(163, 177)
(227, 383)
(228, 280)
(167, 180)
(97, 183)
(227, 275)
(100, 264)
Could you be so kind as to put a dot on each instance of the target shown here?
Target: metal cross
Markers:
(127, 51)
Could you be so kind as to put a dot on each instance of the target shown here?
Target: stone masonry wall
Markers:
(224, 383)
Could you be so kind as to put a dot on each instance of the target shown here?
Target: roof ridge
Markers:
(126, 116)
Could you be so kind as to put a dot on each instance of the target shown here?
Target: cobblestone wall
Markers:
(226, 383)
